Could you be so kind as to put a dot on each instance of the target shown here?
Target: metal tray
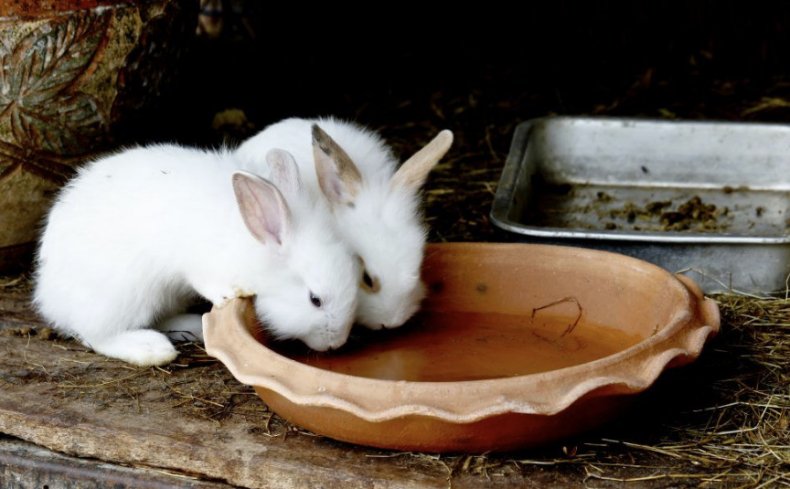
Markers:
(710, 198)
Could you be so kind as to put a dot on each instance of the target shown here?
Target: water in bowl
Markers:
(457, 346)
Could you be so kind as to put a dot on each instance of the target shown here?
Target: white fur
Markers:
(384, 226)
(136, 235)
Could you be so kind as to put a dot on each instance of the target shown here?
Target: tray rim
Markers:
(514, 164)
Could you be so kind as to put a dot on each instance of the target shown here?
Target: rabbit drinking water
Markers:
(375, 208)
(138, 234)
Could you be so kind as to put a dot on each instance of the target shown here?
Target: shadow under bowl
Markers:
(515, 346)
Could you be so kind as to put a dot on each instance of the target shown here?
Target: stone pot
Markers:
(70, 72)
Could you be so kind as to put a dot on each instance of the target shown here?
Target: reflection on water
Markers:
(442, 346)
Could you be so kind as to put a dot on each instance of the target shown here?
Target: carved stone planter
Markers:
(70, 71)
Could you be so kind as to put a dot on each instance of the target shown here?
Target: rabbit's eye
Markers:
(315, 300)
(367, 280)
(370, 284)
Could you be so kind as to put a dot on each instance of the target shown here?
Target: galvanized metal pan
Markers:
(710, 198)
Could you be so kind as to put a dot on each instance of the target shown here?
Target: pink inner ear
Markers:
(329, 179)
(337, 189)
(338, 176)
(284, 171)
(262, 208)
(272, 223)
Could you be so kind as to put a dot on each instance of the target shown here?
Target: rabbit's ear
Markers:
(338, 176)
(414, 171)
(284, 171)
(262, 207)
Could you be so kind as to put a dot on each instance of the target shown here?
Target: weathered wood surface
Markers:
(25, 465)
(60, 396)
(192, 418)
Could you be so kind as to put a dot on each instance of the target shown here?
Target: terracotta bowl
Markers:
(516, 345)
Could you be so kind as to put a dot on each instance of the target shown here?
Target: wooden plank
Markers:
(192, 417)
(60, 396)
(24, 465)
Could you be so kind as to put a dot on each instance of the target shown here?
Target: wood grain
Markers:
(192, 417)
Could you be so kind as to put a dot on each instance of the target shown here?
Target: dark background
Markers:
(693, 59)
(411, 70)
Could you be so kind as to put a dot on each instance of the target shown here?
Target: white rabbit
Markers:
(376, 208)
(136, 235)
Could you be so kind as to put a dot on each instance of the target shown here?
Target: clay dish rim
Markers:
(544, 393)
